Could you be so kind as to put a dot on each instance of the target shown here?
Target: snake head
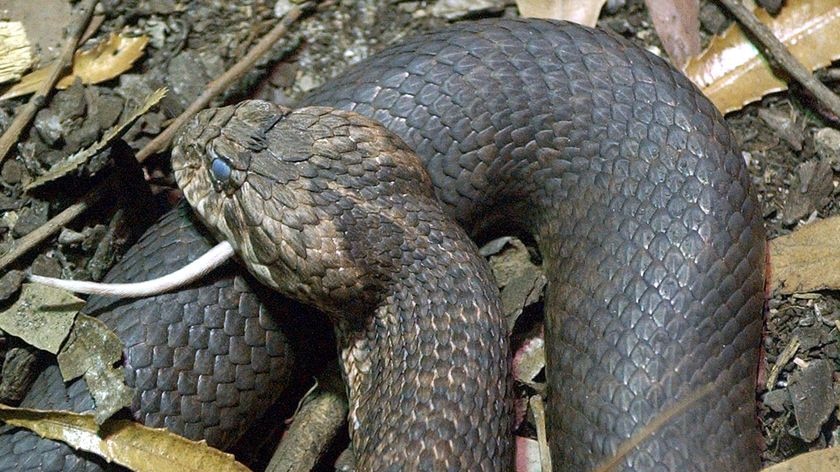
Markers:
(296, 193)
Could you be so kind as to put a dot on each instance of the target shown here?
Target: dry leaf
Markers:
(677, 23)
(92, 350)
(731, 71)
(15, 55)
(123, 442)
(107, 60)
(529, 361)
(584, 12)
(815, 461)
(70, 164)
(42, 316)
(807, 259)
(520, 281)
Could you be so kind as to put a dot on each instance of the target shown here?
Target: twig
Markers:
(221, 83)
(52, 226)
(27, 112)
(315, 426)
(215, 87)
(783, 57)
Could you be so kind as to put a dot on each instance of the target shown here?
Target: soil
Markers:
(791, 157)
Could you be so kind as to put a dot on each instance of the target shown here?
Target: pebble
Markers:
(827, 145)
(46, 266)
(777, 400)
(810, 191)
(813, 397)
(30, 218)
(13, 172)
(10, 283)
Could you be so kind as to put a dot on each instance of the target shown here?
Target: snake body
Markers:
(622, 171)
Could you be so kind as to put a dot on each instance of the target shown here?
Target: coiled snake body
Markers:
(622, 171)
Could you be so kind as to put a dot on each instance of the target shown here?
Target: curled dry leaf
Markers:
(584, 12)
(815, 461)
(807, 259)
(73, 162)
(732, 72)
(15, 56)
(107, 60)
(123, 442)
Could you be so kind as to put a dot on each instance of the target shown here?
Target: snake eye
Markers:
(221, 170)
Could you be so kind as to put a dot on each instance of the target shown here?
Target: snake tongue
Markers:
(191, 272)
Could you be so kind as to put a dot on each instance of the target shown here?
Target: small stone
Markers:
(13, 172)
(10, 283)
(8, 203)
(772, 6)
(713, 19)
(281, 8)
(827, 145)
(813, 398)
(30, 218)
(613, 6)
(68, 237)
(810, 337)
(49, 127)
(810, 191)
(106, 109)
(777, 400)
(46, 266)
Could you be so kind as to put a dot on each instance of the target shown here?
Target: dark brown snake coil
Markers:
(622, 171)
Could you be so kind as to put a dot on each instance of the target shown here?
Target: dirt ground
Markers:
(193, 41)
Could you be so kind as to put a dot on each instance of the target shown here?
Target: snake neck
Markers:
(428, 371)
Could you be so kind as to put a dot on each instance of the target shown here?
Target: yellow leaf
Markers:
(815, 461)
(124, 442)
(807, 259)
(732, 72)
(107, 60)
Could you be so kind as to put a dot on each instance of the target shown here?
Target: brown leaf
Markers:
(732, 72)
(107, 60)
(124, 442)
(677, 23)
(815, 461)
(807, 259)
(584, 12)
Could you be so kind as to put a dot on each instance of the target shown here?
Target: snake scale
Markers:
(624, 174)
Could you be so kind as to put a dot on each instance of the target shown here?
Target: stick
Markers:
(782, 56)
(52, 226)
(221, 83)
(27, 112)
(215, 87)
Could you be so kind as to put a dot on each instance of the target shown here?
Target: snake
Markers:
(362, 202)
